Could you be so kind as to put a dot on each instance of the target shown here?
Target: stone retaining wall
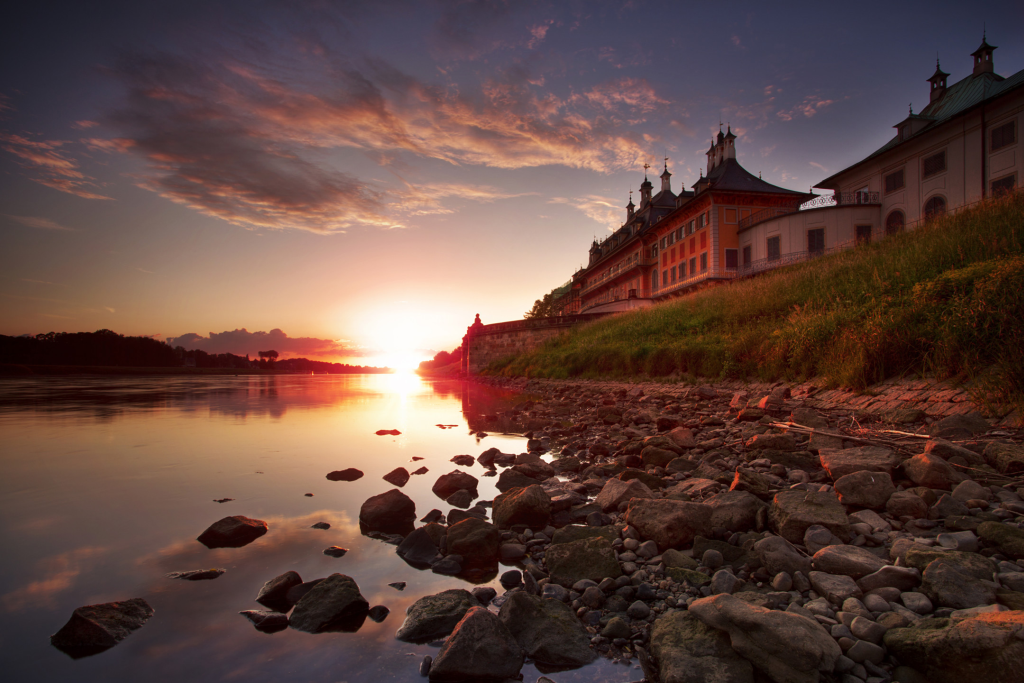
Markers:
(488, 343)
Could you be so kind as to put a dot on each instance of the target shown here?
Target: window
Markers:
(816, 240)
(935, 164)
(664, 278)
(863, 234)
(689, 229)
(894, 181)
(654, 280)
(746, 256)
(934, 208)
(654, 251)
(894, 223)
(774, 251)
(693, 266)
(703, 240)
(730, 259)
(671, 238)
(704, 262)
(1004, 135)
(1004, 185)
(664, 242)
(693, 245)
(682, 270)
(672, 273)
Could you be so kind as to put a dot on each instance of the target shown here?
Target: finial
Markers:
(666, 163)
(911, 108)
(758, 175)
(646, 166)
(983, 31)
(719, 124)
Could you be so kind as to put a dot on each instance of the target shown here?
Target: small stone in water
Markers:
(197, 574)
(321, 525)
(388, 432)
(335, 551)
(398, 585)
(223, 500)
(378, 613)
(309, 495)
(425, 666)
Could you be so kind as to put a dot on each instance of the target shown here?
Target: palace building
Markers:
(961, 148)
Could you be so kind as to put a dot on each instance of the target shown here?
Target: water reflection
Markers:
(108, 482)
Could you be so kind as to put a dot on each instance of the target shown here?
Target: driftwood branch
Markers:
(792, 426)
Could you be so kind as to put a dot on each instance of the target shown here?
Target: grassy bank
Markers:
(946, 298)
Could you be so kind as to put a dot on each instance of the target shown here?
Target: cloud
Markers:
(599, 209)
(82, 125)
(538, 33)
(50, 165)
(810, 106)
(241, 342)
(426, 198)
(818, 166)
(736, 41)
(59, 573)
(634, 93)
(40, 223)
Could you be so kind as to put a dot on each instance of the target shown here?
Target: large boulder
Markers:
(931, 471)
(547, 630)
(1008, 459)
(334, 604)
(477, 541)
(865, 489)
(682, 437)
(457, 480)
(835, 587)
(653, 456)
(1009, 539)
(787, 647)
(435, 616)
(986, 647)
(588, 558)
(792, 512)
(419, 548)
(689, 651)
(479, 649)
(669, 523)
(232, 532)
(950, 585)
(617, 491)
(94, 628)
(274, 592)
(840, 462)
(511, 479)
(779, 555)
(391, 512)
(734, 510)
(530, 506)
(848, 560)
(959, 426)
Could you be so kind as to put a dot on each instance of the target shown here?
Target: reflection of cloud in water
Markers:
(59, 574)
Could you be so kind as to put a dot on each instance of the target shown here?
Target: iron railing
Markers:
(765, 214)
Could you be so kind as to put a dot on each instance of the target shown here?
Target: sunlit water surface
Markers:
(107, 481)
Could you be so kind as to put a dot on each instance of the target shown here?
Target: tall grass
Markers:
(946, 298)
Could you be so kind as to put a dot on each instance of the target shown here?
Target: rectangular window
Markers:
(774, 252)
(704, 262)
(693, 245)
(693, 265)
(894, 181)
(1004, 135)
(682, 270)
(1004, 185)
(863, 234)
(664, 278)
(730, 259)
(672, 273)
(703, 240)
(689, 229)
(816, 240)
(664, 242)
(671, 238)
(934, 164)
(664, 259)
(730, 215)
(746, 256)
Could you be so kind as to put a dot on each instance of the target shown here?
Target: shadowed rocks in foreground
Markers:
(233, 532)
(95, 628)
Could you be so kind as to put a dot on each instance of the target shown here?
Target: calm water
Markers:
(107, 482)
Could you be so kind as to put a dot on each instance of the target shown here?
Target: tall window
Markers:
(1004, 135)
(894, 223)
(934, 207)
(672, 273)
(704, 262)
(1004, 185)
(654, 280)
(664, 242)
(682, 270)
(703, 240)
(894, 181)
(934, 165)
(730, 259)
(816, 240)
(746, 255)
(774, 250)
(863, 234)
(693, 266)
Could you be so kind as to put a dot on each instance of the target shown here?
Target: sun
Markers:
(400, 360)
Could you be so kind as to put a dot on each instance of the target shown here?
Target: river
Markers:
(107, 482)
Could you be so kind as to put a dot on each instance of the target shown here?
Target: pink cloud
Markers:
(241, 342)
(48, 164)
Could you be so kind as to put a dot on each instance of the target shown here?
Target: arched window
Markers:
(934, 208)
(894, 223)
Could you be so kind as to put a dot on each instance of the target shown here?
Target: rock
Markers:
(447, 484)
(266, 622)
(682, 437)
(792, 512)
(391, 512)
(865, 629)
(617, 491)
(949, 586)
(724, 581)
(510, 479)
(484, 594)
(786, 647)
(418, 548)
(434, 616)
(322, 526)
(616, 628)
(674, 558)
(530, 506)
(94, 628)
(233, 532)
(906, 504)
(349, 474)
(959, 427)
(197, 574)
(688, 651)
(464, 460)
(835, 587)
(751, 481)
(916, 602)
(847, 560)
(378, 613)
(576, 532)
(901, 578)
(334, 604)
(462, 498)
(537, 470)
(274, 592)
(552, 591)
(734, 510)
(449, 565)
(476, 541)
(387, 432)
(479, 649)
(653, 456)
(398, 585)
(817, 537)
(947, 450)
(865, 489)
(931, 471)
(669, 523)
(971, 564)
(1009, 539)
(296, 593)
(397, 477)
(1005, 458)
(547, 630)
(864, 651)
(779, 555)
(839, 463)
(335, 551)
(986, 647)
(590, 558)
(777, 442)
(638, 610)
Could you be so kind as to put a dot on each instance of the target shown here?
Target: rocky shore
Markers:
(719, 534)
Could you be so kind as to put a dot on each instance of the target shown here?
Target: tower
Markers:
(938, 81)
(983, 58)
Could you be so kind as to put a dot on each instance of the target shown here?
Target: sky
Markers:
(353, 181)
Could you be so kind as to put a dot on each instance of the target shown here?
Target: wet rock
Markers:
(1009, 539)
(591, 558)
(420, 470)
(464, 460)
(865, 489)
(530, 506)
(387, 432)
(839, 463)
(484, 594)
(986, 647)
(435, 616)
(847, 560)
(547, 630)
(779, 555)
(1005, 458)
(447, 484)
(617, 491)
(931, 471)
(95, 628)
(669, 523)
(274, 592)
(232, 532)
(398, 585)
(296, 593)
(335, 551)
(786, 647)
(792, 512)
(510, 479)
(390, 512)
(450, 565)
(476, 541)
(510, 552)
(334, 604)
(378, 613)
(349, 474)
(322, 526)
(267, 622)
(197, 574)
(734, 510)
(462, 498)
(616, 628)
(835, 587)
(479, 649)
(397, 477)
(418, 549)
(688, 651)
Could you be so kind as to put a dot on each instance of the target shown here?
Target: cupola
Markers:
(983, 58)
(645, 189)
(666, 179)
(730, 145)
(938, 81)
(630, 208)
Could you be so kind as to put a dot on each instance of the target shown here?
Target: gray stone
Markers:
(792, 512)
(266, 622)
(669, 523)
(916, 602)
(616, 491)
(688, 651)
(94, 628)
(834, 587)
(553, 591)
(865, 629)
(530, 506)
(274, 592)
(865, 651)
(638, 610)
(865, 489)
(712, 559)
(734, 510)
(724, 581)
(434, 616)
(591, 558)
(480, 648)
(334, 604)
(902, 578)
(839, 463)
(945, 584)
(232, 532)
(779, 555)
(547, 630)
(848, 560)
(477, 541)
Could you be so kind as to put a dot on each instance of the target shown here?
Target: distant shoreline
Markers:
(21, 370)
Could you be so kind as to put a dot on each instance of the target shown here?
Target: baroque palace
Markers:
(961, 148)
